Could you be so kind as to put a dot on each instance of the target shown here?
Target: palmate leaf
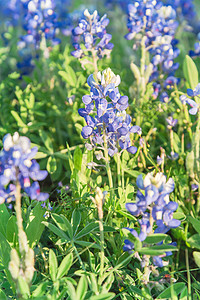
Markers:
(62, 222)
(57, 231)
(75, 221)
(87, 229)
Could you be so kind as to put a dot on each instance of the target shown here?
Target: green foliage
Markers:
(67, 240)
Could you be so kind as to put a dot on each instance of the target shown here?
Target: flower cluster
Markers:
(108, 122)
(155, 208)
(17, 166)
(40, 21)
(41, 24)
(194, 105)
(92, 29)
(157, 24)
(186, 12)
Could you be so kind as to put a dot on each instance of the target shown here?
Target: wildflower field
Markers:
(100, 149)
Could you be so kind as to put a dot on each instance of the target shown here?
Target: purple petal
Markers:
(132, 149)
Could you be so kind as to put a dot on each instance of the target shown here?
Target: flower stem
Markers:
(119, 170)
(79, 258)
(23, 243)
(197, 158)
(95, 59)
(102, 247)
(188, 274)
(108, 169)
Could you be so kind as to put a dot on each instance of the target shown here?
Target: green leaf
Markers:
(40, 290)
(106, 296)
(194, 241)
(53, 264)
(127, 215)
(69, 76)
(177, 288)
(2, 295)
(51, 164)
(155, 238)
(190, 72)
(157, 250)
(76, 219)
(195, 223)
(12, 230)
(23, 287)
(4, 217)
(71, 290)
(4, 250)
(87, 244)
(190, 163)
(82, 288)
(57, 231)
(46, 140)
(35, 227)
(62, 222)
(20, 123)
(65, 266)
(197, 258)
(184, 294)
(148, 251)
(78, 158)
(87, 229)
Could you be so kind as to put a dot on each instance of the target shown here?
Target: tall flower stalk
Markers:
(90, 39)
(156, 211)
(108, 125)
(17, 169)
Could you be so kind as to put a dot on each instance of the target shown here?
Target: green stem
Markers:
(22, 238)
(79, 258)
(23, 243)
(187, 117)
(108, 169)
(119, 170)
(188, 275)
(142, 86)
(197, 158)
(102, 247)
(171, 141)
(95, 59)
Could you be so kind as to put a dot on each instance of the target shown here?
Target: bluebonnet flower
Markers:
(159, 160)
(91, 31)
(105, 114)
(193, 104)
(17, 165)
(186, 13)
(157, 23)
(194, 186)
(40, 22)
(171, 122)
(155, 207)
